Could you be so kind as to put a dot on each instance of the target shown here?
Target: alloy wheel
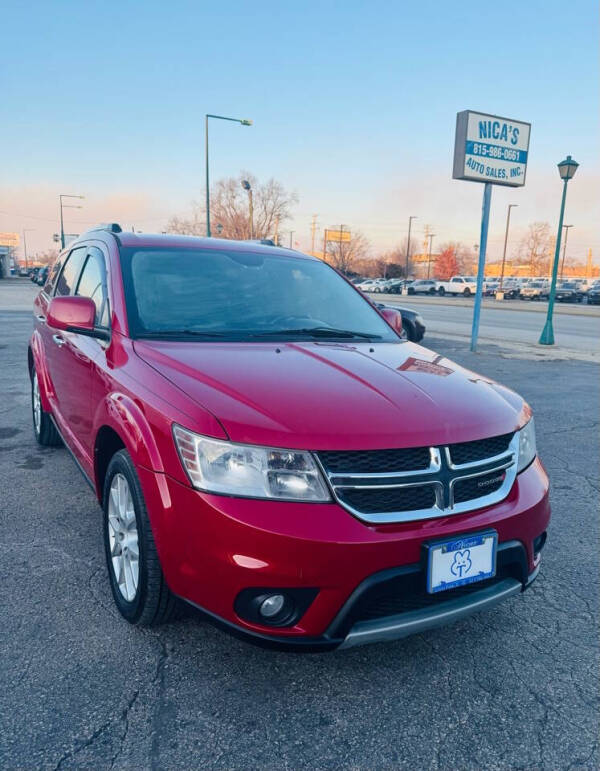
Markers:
(123, 537)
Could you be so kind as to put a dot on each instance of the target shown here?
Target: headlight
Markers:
(527, 448)
(248, 471)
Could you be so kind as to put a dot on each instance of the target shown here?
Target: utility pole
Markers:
(342, 248)
(26, 230)
(276, 239)
(431, 237)
(410, 219)
(313, 227)
(510, 206)
(325, 245)
(291, 237)
(562, 265)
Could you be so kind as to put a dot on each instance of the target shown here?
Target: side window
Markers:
(52, 274)
(92, 284)
(70, 271)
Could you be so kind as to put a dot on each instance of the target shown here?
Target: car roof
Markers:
(178, 241)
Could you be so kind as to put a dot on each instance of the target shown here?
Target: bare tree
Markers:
(229, 210)
(535, 248)
(343, 255)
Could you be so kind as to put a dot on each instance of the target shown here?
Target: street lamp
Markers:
(410, 219)
(247, 186)
(566, 169)
(510, 206)
(26, 230)
(241, 121)
(431, 237)
(562, 264)
(66, 206)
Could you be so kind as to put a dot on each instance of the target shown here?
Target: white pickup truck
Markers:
(465, 285)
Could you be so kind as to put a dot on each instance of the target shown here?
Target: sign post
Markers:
(494, 151)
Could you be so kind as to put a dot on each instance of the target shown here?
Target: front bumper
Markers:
(212, 547)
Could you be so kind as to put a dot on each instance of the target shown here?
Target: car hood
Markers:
(335, 396)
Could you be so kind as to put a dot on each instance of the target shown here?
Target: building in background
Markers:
(8, 245)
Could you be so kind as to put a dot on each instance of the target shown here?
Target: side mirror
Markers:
(75, 314)
(393, 318)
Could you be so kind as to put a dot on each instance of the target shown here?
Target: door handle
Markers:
(41, 318)
(60, 341)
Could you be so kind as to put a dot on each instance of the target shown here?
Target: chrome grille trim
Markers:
(441, 474)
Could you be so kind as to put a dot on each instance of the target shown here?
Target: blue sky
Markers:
(353, 103)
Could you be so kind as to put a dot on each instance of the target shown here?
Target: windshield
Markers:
(206, 294)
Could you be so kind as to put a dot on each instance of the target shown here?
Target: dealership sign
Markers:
(488, 148)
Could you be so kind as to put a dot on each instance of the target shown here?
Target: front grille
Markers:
(468, 452)
(419, 483)
(477, 487)
(375, 461)
(388, 499)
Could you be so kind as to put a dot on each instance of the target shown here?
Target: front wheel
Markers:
(441, 291)
(43, 428)
(466, 292)
(136, 579)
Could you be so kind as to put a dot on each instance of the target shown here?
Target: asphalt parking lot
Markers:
(514, 687)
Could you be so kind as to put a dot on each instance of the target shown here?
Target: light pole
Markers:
(66, 206)
(510, 206)
(562, 264)
(566, 169)
(291, 237)
(431, 237)
(243, 122)
(26, 230)
(247, 186)
(410, 219)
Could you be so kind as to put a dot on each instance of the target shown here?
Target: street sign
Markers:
(9, 239)
(488, 148)
(339, 236)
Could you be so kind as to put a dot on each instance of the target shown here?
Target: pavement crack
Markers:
(87, 743)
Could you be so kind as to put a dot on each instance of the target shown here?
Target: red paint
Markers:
(305, 395)
(66, 312)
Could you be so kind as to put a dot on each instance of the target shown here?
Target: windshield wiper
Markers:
(317, 332)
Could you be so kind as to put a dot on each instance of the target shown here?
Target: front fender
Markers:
(121, 413)
(38, 359)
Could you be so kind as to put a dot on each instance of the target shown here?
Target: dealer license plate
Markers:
(462, 560)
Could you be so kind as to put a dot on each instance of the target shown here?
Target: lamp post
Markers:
(510, 206)
(410, 219)
(566, 169)
(241, 121)
(431, 237)
(562, 264)
(26, 230)
(66, 206)
(291, 238)
(247, 186)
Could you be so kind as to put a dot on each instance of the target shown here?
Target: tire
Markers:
(147, 601)
(466, 292)
(432, 290)
(44, 429)
(441, 291)
(408, 327)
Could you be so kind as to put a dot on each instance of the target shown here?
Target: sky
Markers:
(353, 106)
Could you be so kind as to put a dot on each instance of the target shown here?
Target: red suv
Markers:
(266, 446)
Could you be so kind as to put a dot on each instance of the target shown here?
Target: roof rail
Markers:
(264, 241)
(112, 227)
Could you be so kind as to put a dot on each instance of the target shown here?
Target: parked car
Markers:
(396, 284)
(286, 463)
(23, 272)
(413, 324)
(33, 274)
(42, 276)
(367, 286)
(535, 290)
(490, 287)
(568, 292)
(510, 288)
(422, 286)
(593, 294)
(465, 285)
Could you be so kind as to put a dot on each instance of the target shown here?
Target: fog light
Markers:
(272, 605)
